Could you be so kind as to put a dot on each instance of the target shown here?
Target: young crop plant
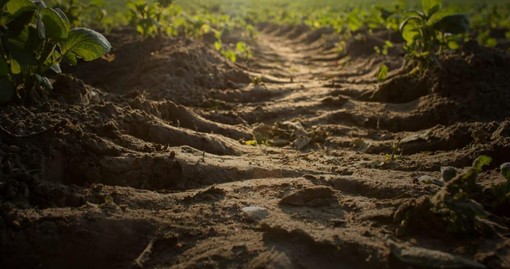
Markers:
(82, 13)
(453, 207)
(147, 16)
(34, 40)
(241, 49)
(430, 31)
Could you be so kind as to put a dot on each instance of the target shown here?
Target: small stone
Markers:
(313, 197)
(505, 170)
(430, 180)
(255, 213)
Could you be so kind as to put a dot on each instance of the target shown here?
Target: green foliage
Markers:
(34, 40)
(455, 204)
(80, 13)
(453, 207)
(384, 50)
(147, 16)
(241, 49)
(431, 30)
(382, 74)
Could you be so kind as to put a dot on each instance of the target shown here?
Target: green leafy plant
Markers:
(241, 49)
(148, 16)
(431, 30)
(454, 206)
(34, 40)
(82, 13)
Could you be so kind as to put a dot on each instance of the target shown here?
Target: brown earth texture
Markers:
(170, 156)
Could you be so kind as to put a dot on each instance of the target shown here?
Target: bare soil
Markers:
(142, 161)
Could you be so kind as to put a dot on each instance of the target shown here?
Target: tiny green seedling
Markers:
(396, 151)
(382, 74)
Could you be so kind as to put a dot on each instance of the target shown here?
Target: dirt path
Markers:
(182, 192)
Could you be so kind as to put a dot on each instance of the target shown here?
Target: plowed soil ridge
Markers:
(147, 165)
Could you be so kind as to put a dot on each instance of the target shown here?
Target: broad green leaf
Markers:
(19, 22)
(15, 6)
(410, 32)
(23, 46)
(6, 90)
(71, 58)
(85, 43)
(453, 24)
(430, 6)
(15, 67)
(56, 24)
(22, 55)
(447, 11)
(415, 20)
